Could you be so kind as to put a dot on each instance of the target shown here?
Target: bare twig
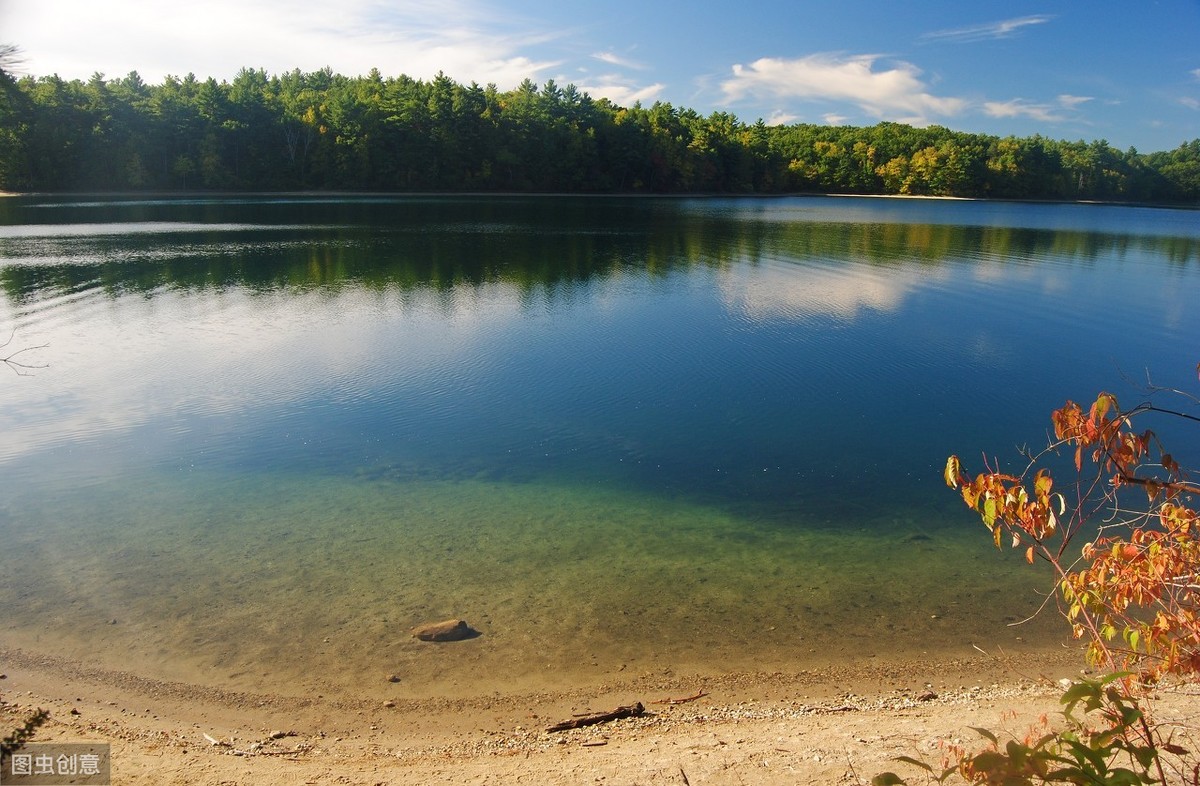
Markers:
(20, 367)
(698, 695)
(630, 711)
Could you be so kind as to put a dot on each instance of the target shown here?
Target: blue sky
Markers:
(1127, 72)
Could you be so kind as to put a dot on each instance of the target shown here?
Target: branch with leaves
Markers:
(1133, 593)
(1137, 579)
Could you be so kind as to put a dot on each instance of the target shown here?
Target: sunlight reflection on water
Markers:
(615, 434)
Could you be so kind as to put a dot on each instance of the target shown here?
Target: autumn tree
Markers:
(1131, 590)
(1134, 593)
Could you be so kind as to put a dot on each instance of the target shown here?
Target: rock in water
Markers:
(450, 630)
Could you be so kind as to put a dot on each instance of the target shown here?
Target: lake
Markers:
(267, 436)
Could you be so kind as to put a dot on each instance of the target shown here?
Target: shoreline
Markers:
(764, 728)
(508, 194)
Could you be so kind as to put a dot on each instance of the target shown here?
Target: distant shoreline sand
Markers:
(699, 195)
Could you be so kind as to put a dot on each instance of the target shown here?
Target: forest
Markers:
(324, 131)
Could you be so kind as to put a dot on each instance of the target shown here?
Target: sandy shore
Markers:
(783, 728)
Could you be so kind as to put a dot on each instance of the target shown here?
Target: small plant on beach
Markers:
(1132, 593)
(1109, 741)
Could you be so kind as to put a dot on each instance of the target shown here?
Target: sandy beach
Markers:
(832, 725)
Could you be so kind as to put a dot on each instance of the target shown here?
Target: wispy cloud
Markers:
(1001, 29)
(1046, 113)
(1070, 101)
(781, 118)
(1020, 108)
(614, 59)
(463, 38)
(1196, 73)
(895, 93)
(621, 91)
(834, 119)
(1190, 103)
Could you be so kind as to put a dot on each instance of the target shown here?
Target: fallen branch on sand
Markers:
(630, 711)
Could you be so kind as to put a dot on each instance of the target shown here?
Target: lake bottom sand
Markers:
(746, 728)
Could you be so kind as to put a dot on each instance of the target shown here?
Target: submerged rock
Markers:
(449, 630)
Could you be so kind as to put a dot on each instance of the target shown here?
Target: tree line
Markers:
(324, 131)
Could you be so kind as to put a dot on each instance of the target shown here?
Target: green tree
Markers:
(325, 130)
(14, 111)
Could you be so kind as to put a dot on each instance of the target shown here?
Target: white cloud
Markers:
(1018, 107)
(620, 91)
(1196, 73)
(1190, 103)
(1001, 29)
(834, 119)
(218, 37)
(781, 118)
(1046, 113)
(614, 59)
(1070, 102)
(896, 93)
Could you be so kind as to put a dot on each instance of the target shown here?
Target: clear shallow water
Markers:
(616, 435)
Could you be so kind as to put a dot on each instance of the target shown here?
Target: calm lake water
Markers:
(615, 435)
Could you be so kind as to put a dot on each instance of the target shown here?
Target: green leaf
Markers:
(1078, 692)
(1124, 777)
(1114, 677)
(1083, 753)
(1145, 756)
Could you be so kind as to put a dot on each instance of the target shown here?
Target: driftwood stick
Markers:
(280, 753)
(698, 695)
(629, 711)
